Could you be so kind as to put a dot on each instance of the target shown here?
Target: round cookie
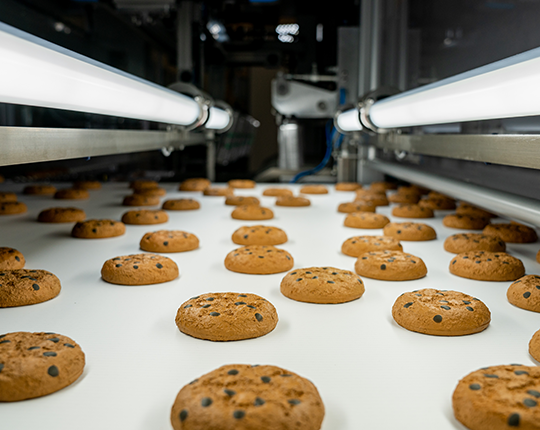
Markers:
(218, 191)
(441, 312)
(8, 197)
(350, 207)
(139, 269)
(467, 209)
(534, 347)
(259, 260)
(322, 285)
(11, 259)
(244, 397)
(72, 194)
(525, 293)
(59, 215)
(180, 205)
(39, 190)
(276, 192)
(292, 201)
(437, 195)
(36, 364)
(140, 200)
(410, 231)
(145, 217)
(375, 199)
(194, 184)
(390, 266)
(465, 222)
(403, 197)
(151, 192)
(23, 287)
(499, 398)
(465, 242)
(98, 229)
(259, 235)
(487, 266)
(382, 186)
(241, 183)
(436, 203)
(412, 211)
(348, 186)
(143, 184)
(87, 185)
(412, 189)
(362, 192)
(367, 220)
(252, 212)
(511, 232)
(169, 241)
(241, 200)
(314, 189)
(12, 208)
(223, 317)
(358, 245)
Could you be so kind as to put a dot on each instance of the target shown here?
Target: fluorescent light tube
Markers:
(38, 73)
(218, 119)
(349, 121)
(504, 89)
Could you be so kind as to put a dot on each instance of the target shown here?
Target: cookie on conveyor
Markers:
(465, 242)
(438, 203)
(368, 220)
(169, 241)
(39, 190)
(244, 397)
(314, 189)
(362, 192)
(499, 397)
(292, 201)
(465, 222)
(406, 189)
(410, 231)
(241, 183)
(276, 192)
(259, 235)
(525, 293)
(36, 364)
(145, 217)
(403, 197)
(98, 229)
(151, 192)
(468, 209)
(441, 312)
(194, 184)
(487, 266)
(139, 269)
(259, 260)
(412, 211)
(87, 185)
(376, 199)
(11, 259)
(382, 186)
(143, 184)
(322, 285)
(390, 266)
(252, 212)
(72, 194)
(140, 200)
(23, 287)
(357, 245)
(218, 191)
(13, 208)
(350, 207)
(348, 186)
(59, 215)
(223, 317)
(8, 197)
(180, 205)
(512, 232)
(534, 347)
(241, 200)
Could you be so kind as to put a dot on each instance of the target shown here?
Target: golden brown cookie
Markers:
(292, 201)
(525, 293)
(139, 269)
(403, 197)
(23, 287)
(465, 222)
(13, 208)
(169, 241)
(39, 190)
(487, 266)
(441, 312)
(36, 364)
(362, 192)
(181, 205)
(223, 317)
(511, 232)
(499, 398)
(218, 191)
(252, 212)
(412, 211)
(322, 285)
(150, 192)
(259, 260)
(375, 199)
(382, 186)
(414, 189)
(243, 397)
(72, 194)
(275, 192)
(140, 200)
(465, 242)
(58, 215)
(390, 266)
(11, 259)
(435, 203)
(468, 209)
(241, 183)
(348, 186)
(87, 185)
(241, 200)
(368, 220)
(534, 348)
(350, 207)
(259, 235)
(194, 184)
(145, 217)
(358, 245)
(8, 197)
(98, 229)
(314, 189)
(143, 184)
(410, 231)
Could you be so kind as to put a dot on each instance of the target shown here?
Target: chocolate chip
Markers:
(488, 375)
(527, 295)
(49, 354)
(233, 372)
(54, 339)
(205, 306)
(530, 403)
(183, 414)
(446, 308)
(251, 307)
(266, 379)
(166, 243)
(5, 341)
(35, 287)
(33, 347)
(215, 314)
(229, 392)
(294, 401)
(475, 387)
(259, 317)
(239, 414)
(299, 279)
(330, 282)
(210, 299)
(1, 366)
(437, 318)
(259, 402)
(242, 295)
(53, 371)
(17, 258)
(469, 308)
(521, 372)
(534, 393)
(159, 266)
(383, 266)
(69, 345)
(118, 265)
(187, 306)
(206, 401)
(240, 303)
(408, 305)
(513, 420)
(135, 267)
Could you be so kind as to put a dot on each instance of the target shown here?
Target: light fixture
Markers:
(286, 32)
(35, 72)
(348, 121)
(220, 117)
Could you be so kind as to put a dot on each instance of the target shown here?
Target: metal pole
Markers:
(403, 44)
(365, 47)
(376, 44)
